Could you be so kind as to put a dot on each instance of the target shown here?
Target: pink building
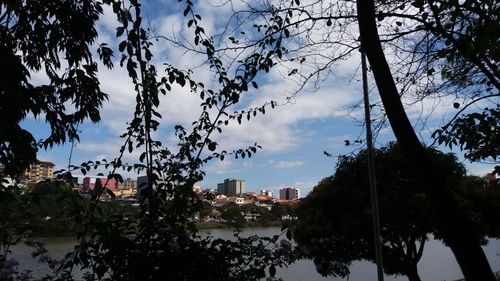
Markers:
(89, 182)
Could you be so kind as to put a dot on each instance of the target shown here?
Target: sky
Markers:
(293, 136)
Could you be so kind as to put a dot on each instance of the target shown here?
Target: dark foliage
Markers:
(334, 221)
(160, 242)
(54, 39)
(476, 133)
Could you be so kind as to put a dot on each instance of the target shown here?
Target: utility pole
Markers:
(371, 172)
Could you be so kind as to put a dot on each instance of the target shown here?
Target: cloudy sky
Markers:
(293, 136)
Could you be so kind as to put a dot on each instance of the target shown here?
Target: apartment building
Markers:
(39, 171)
(289, 193)
(128, 184)
(231, 187)
(267, 192)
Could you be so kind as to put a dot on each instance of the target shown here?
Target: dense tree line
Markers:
(53, 208)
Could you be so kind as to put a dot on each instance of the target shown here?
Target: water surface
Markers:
(437, 262)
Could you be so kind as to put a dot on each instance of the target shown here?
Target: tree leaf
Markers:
(272, 271)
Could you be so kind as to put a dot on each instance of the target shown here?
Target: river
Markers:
(437, 262)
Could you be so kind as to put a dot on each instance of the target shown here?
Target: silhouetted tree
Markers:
(334, 221)
(232, 214)
(53, 38)
(278, 210)
(450, 218)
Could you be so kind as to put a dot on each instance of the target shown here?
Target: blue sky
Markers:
(293, 136)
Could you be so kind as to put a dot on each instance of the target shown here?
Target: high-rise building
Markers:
(267, 192)
(289, 193)
(231, 187)
(39, 171)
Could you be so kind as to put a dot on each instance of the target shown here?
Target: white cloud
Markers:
(277, 131)
(480, 169)
(221, 167)
(108, 21)
(285, 164)
(305, 186)
(109, 148)
(100, 157)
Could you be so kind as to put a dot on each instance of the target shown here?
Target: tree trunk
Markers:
(412, 272)
(450, 220)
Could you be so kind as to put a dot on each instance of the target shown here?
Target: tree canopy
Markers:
(231, 212)
(450, 220)
(334, 222)
(53, 39)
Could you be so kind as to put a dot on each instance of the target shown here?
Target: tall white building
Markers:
(267, 192)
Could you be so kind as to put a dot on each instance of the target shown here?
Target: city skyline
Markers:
(84, 180)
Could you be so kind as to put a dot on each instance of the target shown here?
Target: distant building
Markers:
(267, 192)
(128, 184)
(39, 171)
(142, 185)
(237, 200)
(249, 195)
(289, 193)
(125, 193)
(89, 182)
(492, 179)
(231, 187)
(265, 199)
